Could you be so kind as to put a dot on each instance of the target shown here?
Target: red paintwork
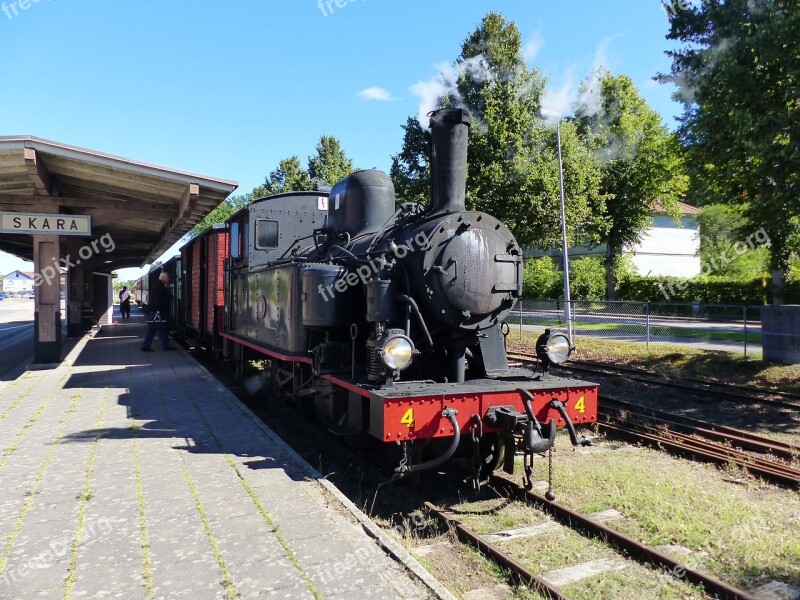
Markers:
(428, 421)
(204, 260)
(194, 309)
(217, 249)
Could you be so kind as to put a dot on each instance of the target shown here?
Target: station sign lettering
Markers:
(44, 224)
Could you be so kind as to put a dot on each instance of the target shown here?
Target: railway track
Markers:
(734, 393)
(748, 391)
(701, 440)
(730, 436)
(590, 527)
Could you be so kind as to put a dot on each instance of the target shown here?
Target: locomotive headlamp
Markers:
(553, 348)
(397, 352)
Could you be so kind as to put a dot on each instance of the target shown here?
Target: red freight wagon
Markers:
(203, 261)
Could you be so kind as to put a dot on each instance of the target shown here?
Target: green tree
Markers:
(512, 166)
(587, 279)
(541, 279)
(330, 164)
(222, 213)
(723, 227)
(736, 72)
(642, 165)
(290, 176)
(410, 170)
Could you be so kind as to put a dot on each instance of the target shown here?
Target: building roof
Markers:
(144, 207)
(687, 210)
(18, 275)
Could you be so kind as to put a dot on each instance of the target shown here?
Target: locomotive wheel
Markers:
(493, 452)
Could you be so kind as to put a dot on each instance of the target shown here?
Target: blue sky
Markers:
(230, 88)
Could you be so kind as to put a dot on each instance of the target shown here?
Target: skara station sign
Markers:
(43, 224)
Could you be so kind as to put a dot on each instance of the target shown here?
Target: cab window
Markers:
(266, 234)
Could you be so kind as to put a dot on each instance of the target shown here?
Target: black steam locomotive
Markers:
(387, 322)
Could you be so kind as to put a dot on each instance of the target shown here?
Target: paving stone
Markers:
(185, 420)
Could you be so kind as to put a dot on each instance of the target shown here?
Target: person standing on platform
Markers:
(125, 302)
(158, 309)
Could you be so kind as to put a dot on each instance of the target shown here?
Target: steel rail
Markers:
(745, 439)
(521, 572)
(687, 445)
(719, 391)
(636, 550)
(640, 376)
(754, 391)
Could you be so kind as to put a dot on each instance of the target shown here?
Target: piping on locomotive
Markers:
(387, 322)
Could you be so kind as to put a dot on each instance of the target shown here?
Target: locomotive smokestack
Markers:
(449, 138)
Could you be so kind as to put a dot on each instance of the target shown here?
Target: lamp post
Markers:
(564, 250)
(547, 113)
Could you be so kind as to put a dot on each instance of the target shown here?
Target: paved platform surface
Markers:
(130, 475)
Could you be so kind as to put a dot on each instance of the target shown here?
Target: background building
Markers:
(669, 247)
(17, 281)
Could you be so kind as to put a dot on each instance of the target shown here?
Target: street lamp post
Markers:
(564, 250)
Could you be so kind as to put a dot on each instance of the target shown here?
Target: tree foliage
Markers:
(642, 164)
(737, 74)
(330, 163)
(723, 229)
(541, 279)
(587, 279)
(512, 166)
(289, 176)
(222, 213)
(327, 166)
(410, 170)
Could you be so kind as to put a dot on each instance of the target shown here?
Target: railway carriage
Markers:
(201, 286)
(142, 287)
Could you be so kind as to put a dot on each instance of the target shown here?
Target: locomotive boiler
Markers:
(386, 322)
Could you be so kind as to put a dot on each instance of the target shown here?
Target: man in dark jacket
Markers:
(158, 308)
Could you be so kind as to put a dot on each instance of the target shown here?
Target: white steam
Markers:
(573, 97)
(445, 83)
(532, 47)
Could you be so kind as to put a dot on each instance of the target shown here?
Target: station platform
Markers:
(126, 474)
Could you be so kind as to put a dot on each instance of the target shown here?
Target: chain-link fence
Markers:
(725, 327)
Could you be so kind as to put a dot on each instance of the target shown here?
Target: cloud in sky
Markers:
(375, 93)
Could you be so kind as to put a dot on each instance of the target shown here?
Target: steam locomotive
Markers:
(384, 322)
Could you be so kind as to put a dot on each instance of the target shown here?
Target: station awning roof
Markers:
(145, 208)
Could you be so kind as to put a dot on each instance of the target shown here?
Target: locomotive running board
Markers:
(264, 350)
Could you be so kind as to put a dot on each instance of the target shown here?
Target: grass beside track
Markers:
(735, 527)
(678, 362)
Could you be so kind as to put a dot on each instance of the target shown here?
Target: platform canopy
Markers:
(144, 208)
